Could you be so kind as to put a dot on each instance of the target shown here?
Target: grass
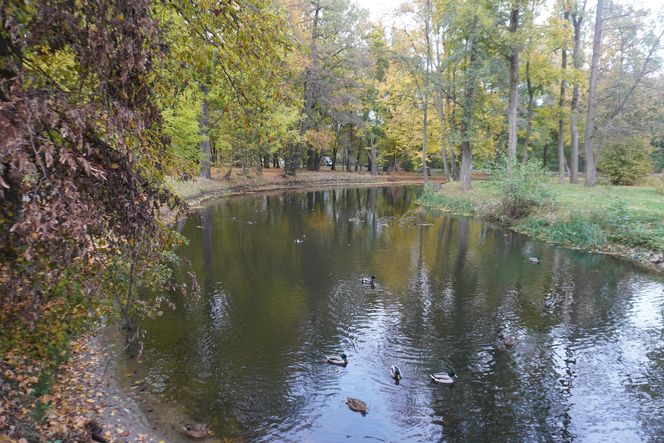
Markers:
(643, 199)
(623, 220)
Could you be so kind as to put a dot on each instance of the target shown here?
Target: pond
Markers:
(281, 288)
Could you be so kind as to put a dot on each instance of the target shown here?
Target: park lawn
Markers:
(637, 198)
(623, 220)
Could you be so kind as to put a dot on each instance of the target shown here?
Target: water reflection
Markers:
(280, 276)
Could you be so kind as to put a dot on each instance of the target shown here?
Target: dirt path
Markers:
(198, 190)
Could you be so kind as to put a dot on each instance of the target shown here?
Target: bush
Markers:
(626, 160)
(522, 190)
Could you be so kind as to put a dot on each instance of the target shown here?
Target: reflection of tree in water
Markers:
(271, 308)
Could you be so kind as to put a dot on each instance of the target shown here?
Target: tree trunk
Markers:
(352, 136)
(561, 121)
(309, 100)
(454, 164)
(514, 91)
(443, 144)
(374, 166)
(469, 98)
(529, 123)
(577, 19)
(427, 19)
(203, 128)
(334, 158)
(591, 163)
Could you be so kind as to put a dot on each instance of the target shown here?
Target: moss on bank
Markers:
(623, 221)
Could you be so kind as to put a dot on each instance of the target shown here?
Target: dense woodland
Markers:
(101, 100)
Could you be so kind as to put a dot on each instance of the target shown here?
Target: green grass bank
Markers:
(626, 221)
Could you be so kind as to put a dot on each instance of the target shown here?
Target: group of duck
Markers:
(341, 359)
(357, 405)
(447, 378)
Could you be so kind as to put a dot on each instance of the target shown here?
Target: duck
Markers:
(196, 430)
(357, 405)
(340, 360)
(535, 260)
(96, 431)
(395, 372)
(509, 341)
(444, 377)
(369, 281)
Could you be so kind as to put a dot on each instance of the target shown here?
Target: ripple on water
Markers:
(250, 357)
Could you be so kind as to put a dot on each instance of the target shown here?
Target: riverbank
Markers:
(618, 220)
(80, 398)
(198, 190)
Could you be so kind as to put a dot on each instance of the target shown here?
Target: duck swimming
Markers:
(357, 405)
(443, 377)
(395, 372)
(535, 260)
(340, 360)
(370, 282)
(197, 430)
(509, 341)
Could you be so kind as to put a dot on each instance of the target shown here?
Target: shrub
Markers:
(626, 160)
(521, 190)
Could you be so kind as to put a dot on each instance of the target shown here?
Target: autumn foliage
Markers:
(81, 144)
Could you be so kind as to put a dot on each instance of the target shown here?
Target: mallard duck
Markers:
(509, 341)
(196, 430)
(96, 431)
(444, 377)
(535, 260)
(357, 405)
(395, 372)
(369, 281)
(341, 359)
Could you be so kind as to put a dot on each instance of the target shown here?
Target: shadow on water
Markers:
(280, 278)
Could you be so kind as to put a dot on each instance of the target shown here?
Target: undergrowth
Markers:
(606, 222)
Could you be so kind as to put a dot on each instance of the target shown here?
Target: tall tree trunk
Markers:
(424, 139)
(577, 19)
(469, 98)
(205, 139)
(529, 122)
(514, 91)
(454, 164)
(352, 136)
(427, 37)
(334, 157)
(293, 163)
(561, 121)
(591, 162)
(374, 166)
(443, 144)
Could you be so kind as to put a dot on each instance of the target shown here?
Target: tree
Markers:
(591, 170)
(513, 85)
(83, 154)
(576, 15)
(626, 160)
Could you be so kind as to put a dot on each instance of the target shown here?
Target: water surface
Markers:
(280, 278)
